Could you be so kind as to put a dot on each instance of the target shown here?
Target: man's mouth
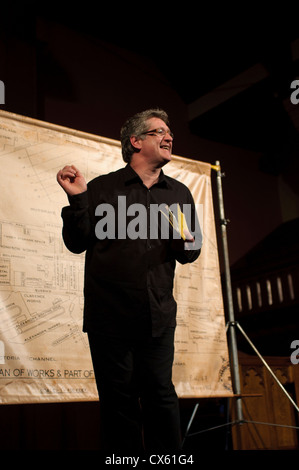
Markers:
(165, 147)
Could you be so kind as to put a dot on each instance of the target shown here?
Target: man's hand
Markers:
(71, 180)
(189, 241)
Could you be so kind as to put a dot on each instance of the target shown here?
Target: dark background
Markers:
(224, 77)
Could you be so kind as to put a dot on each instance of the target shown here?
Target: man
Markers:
(130, 312)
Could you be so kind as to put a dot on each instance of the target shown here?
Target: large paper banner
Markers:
(44, 355)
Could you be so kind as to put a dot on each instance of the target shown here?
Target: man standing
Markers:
(129, 310)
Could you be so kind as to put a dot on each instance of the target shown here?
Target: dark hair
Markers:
(136, 126)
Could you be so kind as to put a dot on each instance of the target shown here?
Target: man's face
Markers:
(157, 144)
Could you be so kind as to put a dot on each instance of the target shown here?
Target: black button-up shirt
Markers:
(129, 274)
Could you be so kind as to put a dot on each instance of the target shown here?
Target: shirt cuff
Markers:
(78, 201)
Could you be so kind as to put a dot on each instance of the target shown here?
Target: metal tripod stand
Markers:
(231, 327)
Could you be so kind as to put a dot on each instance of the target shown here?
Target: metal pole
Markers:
(230, 308)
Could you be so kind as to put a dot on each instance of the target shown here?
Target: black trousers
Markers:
(138, 403)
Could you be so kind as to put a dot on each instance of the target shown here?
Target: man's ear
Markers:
(136, 142)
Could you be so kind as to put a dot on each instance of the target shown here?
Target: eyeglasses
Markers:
(159, 132)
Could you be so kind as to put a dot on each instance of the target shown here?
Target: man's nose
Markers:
(168, 136)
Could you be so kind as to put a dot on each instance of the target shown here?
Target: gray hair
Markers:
(137, 126)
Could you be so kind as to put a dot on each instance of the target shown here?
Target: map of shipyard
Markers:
(44, 354)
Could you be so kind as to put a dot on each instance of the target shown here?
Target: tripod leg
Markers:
(190, 423)
(266, 365)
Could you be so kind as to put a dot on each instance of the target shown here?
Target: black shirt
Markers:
(128, 273)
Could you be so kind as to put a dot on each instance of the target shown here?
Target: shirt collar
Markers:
(131, 176)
